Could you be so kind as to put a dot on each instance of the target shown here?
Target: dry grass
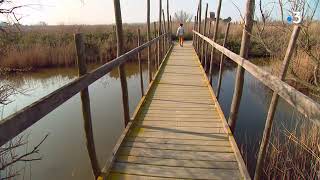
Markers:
(294, 154)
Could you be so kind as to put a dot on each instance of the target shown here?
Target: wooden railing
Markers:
(16, 123)
(302, 103)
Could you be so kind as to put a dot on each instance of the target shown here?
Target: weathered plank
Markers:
(179, 141)
(175, 172)
(178, 162)
(179, 131)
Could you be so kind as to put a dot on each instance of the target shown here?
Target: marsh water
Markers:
(64, 154)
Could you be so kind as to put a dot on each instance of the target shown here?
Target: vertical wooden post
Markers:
(273, 104)
(196, 37)
(159, 33)
(203, 42)
(245, 44)
(215, 34)
(197, 24)
(194, 28)
(156, 49)
(140, 65)
(86, 110)
(121, 69)
(199, 27)
(164, 37)
(207, 47)
(168, 26)
(222, 59)
(148, 39)
(170, 30)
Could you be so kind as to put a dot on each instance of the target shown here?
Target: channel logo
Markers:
(296, 18)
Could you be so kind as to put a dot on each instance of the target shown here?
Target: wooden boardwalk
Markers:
(179, 131)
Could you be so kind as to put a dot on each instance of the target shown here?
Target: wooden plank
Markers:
(175, 172)
(178, 162)
(121, 176)
(173, 135)
(175, 154)
(184, 130)
(178, 124)
(197, 148)
(180, 141)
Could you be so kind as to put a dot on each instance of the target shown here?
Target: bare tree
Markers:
(182, 17)
(8, 155)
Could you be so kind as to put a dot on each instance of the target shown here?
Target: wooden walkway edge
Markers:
(178, 130)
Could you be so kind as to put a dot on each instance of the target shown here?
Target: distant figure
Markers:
(180, 34)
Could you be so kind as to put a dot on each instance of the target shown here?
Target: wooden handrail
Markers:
(16, 123)
(305, 105)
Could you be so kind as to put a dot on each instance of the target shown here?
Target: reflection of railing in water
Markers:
(303, 104)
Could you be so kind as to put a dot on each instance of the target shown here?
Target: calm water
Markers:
(63, 153)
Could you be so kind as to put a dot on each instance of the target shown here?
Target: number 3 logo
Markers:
(297, 17)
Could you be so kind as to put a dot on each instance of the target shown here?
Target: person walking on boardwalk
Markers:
(180, 34)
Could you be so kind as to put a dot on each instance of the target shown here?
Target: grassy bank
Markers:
(52, 46)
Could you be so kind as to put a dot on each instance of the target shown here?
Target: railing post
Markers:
(245, 43)
(156, 49)
(222, 59)
(199, 27)
(86, 110)
(194, 28)
(170, 38)
(273, 104)
(140, 65)
(203, 42)
(159, 33)
(168, 25)
(122, 72)
(164, 37)
(216, 28)
(148, 39)
(207, 47)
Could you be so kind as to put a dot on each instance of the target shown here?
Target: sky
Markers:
(102, 11)
(67, 12)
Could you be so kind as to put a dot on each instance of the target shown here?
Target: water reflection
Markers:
(253, 111)
(64, 152)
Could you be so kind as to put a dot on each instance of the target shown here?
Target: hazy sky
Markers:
(101, 11)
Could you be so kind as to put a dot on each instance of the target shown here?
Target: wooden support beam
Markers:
(194, 28)
(215, 35)
(159, 33)
(122, 72)
(203, 43)
(148, 39)
(199, 27)
(222, 57)
(156, 48)
(206, 63)
(164, 38)
(245, 44)
(86, 110)
(140, 65)
(170, 34)
(168, 23)
(273, 104)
